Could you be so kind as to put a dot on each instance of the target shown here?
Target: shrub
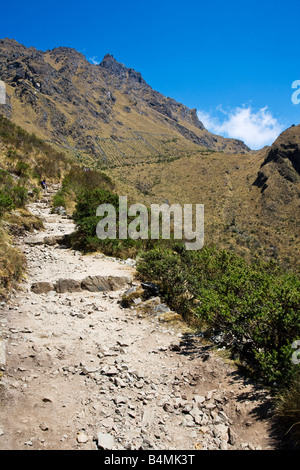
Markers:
(12, 264)
(287, 410)
(254, 306)
(89, 200)
(6, 203)
(78, 180)
(58, 199)
(19, 196)
(22, 169)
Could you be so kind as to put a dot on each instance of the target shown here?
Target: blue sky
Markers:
(234, 61)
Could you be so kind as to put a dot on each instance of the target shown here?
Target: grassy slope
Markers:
(22, 151)
(235, 214)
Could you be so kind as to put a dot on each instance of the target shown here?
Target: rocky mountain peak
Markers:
(120, 71)
(286, 152)
(282, 158)
(62, 97)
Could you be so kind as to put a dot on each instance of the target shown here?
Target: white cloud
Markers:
(94, 61)
(256, 129)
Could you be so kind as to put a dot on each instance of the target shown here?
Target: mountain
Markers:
(282, 160)
(106, 115)
(156, 150)
(251, 201)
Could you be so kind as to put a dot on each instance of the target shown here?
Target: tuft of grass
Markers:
(28, 156)
(12, 264)
(20, 221)
(287, 411)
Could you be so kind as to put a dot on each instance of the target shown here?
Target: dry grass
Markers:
(288, 411)
(20, 221)
(12, 264)
(237, 215)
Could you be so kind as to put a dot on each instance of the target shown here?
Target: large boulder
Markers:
(104, 283)
(67, 285)
(42, 287)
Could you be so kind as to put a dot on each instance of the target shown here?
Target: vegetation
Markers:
(251, 307)
(12, 264)
(288, 410)
(27, 155)
(25, 159)
(85, 216)
(76, 181)
(254, 306)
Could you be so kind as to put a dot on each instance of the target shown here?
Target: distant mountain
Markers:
(251, 200)
(278, 180)
(106, 114)
(155, 149)
(283, 158)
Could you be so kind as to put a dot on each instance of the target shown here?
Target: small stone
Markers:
(199, 399)
(223, 416)
(139, 384)
(28, 443)
(82, 438)
(232, 436)
(88, 370)
(168, 408)
(221, 432)
(204, 429)
(107, 422)
(120, 400)
(47, 399)
(106, 441)
(223, 445)
(110, 370)
(119, 382)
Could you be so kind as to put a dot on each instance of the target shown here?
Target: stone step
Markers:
(90, 283)
(2, 353)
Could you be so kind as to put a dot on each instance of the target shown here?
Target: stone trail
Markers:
(80, 371)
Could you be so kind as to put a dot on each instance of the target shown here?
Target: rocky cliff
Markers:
(104, 113)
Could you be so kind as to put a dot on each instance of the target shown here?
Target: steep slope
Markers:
(251, 200)
(81, 372)
(282, 161)
(106, 115)
(278, 179)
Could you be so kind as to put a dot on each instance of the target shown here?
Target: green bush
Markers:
(5, 178)
(58, 199)
(254, 306)
(6, 203)
(86, 220)
(22, 169)
(11, 195)
(287, 410)
(89, 200)
(77, 180)
(19, 196)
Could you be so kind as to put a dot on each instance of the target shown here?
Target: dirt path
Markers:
(81, 372)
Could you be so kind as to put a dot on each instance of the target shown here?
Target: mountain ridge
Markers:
(65, 99)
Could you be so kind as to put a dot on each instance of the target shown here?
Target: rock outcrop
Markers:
(85, 108)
